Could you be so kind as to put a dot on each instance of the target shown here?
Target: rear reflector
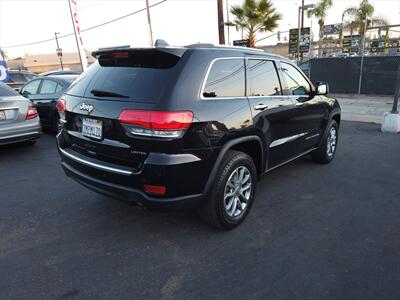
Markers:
(157, 123)
(155, 189)
(32, 112)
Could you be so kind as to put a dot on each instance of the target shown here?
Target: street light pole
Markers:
(149, 22)
(362, 55)
(298, 35)
(227, 19)
(58, 50)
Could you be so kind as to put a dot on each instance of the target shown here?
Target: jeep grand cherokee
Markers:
(192, 126)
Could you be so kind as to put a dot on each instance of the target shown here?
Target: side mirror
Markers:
(25, 94)
(322, 88)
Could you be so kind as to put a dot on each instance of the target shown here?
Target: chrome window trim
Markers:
(96, 166)
(208, 73)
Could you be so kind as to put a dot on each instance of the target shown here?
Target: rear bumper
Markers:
(183, 176)
(18, 132)
(131, 194)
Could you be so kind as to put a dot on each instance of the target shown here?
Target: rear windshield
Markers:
(141, 77)
(5, 90)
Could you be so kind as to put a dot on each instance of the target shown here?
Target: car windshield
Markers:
(5, 90)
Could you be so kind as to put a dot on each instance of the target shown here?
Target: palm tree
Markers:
(254, 16)
(357, 16)
(320, 12)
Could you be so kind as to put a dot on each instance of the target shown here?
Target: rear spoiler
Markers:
(176, 51)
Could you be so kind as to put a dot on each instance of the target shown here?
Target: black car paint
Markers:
(187, 166)
(46, 103)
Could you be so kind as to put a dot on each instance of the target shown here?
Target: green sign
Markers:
(351, 43)
(304, 41)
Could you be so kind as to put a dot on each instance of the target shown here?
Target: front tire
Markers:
(232, 193)
(327, 149)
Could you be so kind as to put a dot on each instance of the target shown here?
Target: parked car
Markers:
(59, 72)
(192, 126)
(19, 120)
(19, 78)
(44, 92)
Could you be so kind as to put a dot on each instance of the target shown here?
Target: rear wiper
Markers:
(100, 93)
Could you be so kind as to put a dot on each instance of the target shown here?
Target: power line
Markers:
(86, 29)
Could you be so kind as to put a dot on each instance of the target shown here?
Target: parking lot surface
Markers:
(314, 232)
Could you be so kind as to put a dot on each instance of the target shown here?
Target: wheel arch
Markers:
(251, 145)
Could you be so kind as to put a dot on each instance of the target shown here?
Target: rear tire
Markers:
(232, 193)
(327, 149)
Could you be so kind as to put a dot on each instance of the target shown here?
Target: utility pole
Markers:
(221, 25)
(59, 51)
(227, 19)
(149, 21)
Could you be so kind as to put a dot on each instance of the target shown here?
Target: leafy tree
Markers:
(254, 16)
(357, 16)
(320, 12)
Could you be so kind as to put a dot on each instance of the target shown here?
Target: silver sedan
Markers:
(19, 120)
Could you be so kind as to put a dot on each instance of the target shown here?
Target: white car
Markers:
(19, 120)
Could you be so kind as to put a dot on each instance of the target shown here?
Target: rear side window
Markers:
(141, 76)
(48, 87)
(262, 78)
(225, 79)
(5, 90)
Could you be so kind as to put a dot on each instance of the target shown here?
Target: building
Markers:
(279, 49)
(39, 63)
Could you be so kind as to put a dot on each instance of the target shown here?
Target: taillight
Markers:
(157, 123)
(32, 112)
(61, 106)
(158, 190)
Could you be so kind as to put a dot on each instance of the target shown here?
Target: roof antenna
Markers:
(160, 43)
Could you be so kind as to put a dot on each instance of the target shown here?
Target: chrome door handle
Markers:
(260, 107)
(299, 103)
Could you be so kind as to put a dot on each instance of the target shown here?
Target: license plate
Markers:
(2, 115)
(92, 128)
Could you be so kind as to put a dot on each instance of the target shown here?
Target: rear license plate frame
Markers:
(92, 128)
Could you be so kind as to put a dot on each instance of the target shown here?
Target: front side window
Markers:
(225, 79)
(295, 81)
(48, 87)
(262, 78)
(31, 88)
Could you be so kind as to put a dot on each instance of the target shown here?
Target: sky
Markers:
(179, 22)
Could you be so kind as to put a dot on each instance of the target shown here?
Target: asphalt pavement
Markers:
(314, 232)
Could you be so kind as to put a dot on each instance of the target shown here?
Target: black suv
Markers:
(192, 126)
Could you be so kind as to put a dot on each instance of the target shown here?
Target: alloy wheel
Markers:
(237, 192)
(331, 142)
